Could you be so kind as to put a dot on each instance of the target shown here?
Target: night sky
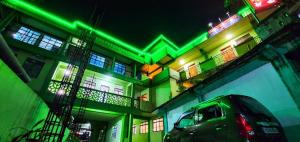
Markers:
(138, 22)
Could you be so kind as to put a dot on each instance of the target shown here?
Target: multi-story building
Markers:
(137, 94)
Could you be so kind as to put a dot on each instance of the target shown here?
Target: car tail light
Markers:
(246, 129)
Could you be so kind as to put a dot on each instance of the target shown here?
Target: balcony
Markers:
(219, 61)
(99, 96)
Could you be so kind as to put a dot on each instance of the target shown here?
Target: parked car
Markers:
(232, 118)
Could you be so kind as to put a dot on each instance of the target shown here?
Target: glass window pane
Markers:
(49, 43)
(26, 35)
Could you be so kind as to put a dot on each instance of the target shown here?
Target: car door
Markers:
(185, 126)
(211, 125)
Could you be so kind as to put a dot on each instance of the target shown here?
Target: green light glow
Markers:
(203, 37)
(244, 11)
(99, 111)
(71, 26)
(161, 46)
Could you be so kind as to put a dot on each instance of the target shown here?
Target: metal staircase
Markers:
(59, 116)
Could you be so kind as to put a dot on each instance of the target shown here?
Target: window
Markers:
(119, 68)
(89, 82)
(187, 120)
(144, 128)
(114, 132)
(97, 60)
(104, 88)
(50, 43)
(158, 124)
(134, 129)
(118, 91)
(77, 42)
(26, 35)
(208, 113)
(33, 67)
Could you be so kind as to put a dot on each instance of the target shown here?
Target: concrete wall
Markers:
(265, 85)
(36, 83)
(118, 124)
(138, 137)
(20, 107)
(175, 113)
(155, 136)
(161, 93)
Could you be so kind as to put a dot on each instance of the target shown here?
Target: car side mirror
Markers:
(176, 126)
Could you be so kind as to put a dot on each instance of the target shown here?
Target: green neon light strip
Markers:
(100, 111)
(245, 11)
(72, 27)
(203, 37)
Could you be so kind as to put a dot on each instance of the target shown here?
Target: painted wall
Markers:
(118, 125)
(100, 79)
(138, 137)
(155, 136)
(215, 52)
(265, 85)
(20, 107)
(161, 93)
(174, 114)
(36, 83)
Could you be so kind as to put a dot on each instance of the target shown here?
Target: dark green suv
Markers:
(232, 118)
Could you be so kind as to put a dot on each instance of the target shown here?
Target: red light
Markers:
(246, 129)
(263, 4)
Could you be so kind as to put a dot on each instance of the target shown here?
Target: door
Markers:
(211, 125)
(193, 71)
(228, 54)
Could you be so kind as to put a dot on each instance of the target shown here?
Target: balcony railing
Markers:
(98, 96)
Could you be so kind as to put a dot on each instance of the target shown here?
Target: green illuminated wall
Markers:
(36, 83)
(119, 124)
(161, 93)
(138, 137)
(20, 107)
(155, 136)
(110, 42)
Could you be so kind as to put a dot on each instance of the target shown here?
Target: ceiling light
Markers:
(181, 62)
(210, 24)
(271, 1)
(229, 36)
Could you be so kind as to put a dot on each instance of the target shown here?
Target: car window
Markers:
(251, 106)
(208, 113)
(187, 120)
